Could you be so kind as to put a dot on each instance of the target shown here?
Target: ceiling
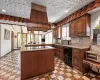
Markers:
(55, 8)
(19, 8)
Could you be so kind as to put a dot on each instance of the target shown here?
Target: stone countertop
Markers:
(24, 49)
(76, 45)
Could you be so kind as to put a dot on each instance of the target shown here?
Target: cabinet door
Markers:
(50, 60)
(59, 33)
(76, 59)
(72, 28)
(41, 61)
(76, 62)
(81, 26)
(62, 53)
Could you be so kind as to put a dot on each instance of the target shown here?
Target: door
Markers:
(12, 40)
(21, 39)
(24, 39)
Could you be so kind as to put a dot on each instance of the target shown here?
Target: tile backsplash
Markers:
(75, 40)
(58, 41)
(81, 40)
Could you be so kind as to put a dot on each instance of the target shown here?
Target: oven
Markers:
(93, 57)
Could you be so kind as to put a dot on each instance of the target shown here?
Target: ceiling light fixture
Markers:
(3, 10)
(66, 11)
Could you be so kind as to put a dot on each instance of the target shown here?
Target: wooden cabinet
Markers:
(35, 63)
(57, 32)
(78, 56)
(76, 59)
(59, 51)
(72, 28)
(80, 26)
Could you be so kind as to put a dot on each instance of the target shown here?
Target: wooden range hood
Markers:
(39, 18)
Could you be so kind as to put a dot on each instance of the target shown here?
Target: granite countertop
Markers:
(75, 45)
(36, 48)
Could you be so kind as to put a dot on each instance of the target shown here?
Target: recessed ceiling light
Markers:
(66, 11)
(3, 10)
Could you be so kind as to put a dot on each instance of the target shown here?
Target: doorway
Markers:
(21, 40)
(12, 40)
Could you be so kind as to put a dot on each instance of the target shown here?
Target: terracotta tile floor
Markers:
(10, 70)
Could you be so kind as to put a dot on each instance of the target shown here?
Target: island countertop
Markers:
(36, 48)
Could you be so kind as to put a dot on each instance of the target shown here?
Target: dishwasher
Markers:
(68, 56)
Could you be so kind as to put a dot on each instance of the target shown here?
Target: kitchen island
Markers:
(36, 61)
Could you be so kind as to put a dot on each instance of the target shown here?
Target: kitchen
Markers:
(42, 49)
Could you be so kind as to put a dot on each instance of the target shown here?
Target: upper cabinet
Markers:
(80, 26)
(72, 29)
(57, 32)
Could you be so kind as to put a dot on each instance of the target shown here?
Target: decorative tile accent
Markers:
(53, 76)
(85, 78)
(68, 74)
(61, 72)
(77, 76)
(60, 78)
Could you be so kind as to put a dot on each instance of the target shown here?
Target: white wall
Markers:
(95, 17)
(5, 45)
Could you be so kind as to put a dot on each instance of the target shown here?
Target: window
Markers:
(48, 38)
(37, 36)
(30, 38)
(34, 37)
(65, 32)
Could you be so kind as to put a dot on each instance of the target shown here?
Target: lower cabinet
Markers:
(77, 62)
(78, 56)
(36, 63)
(59, 52)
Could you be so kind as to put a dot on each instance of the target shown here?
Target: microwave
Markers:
(93, 56)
